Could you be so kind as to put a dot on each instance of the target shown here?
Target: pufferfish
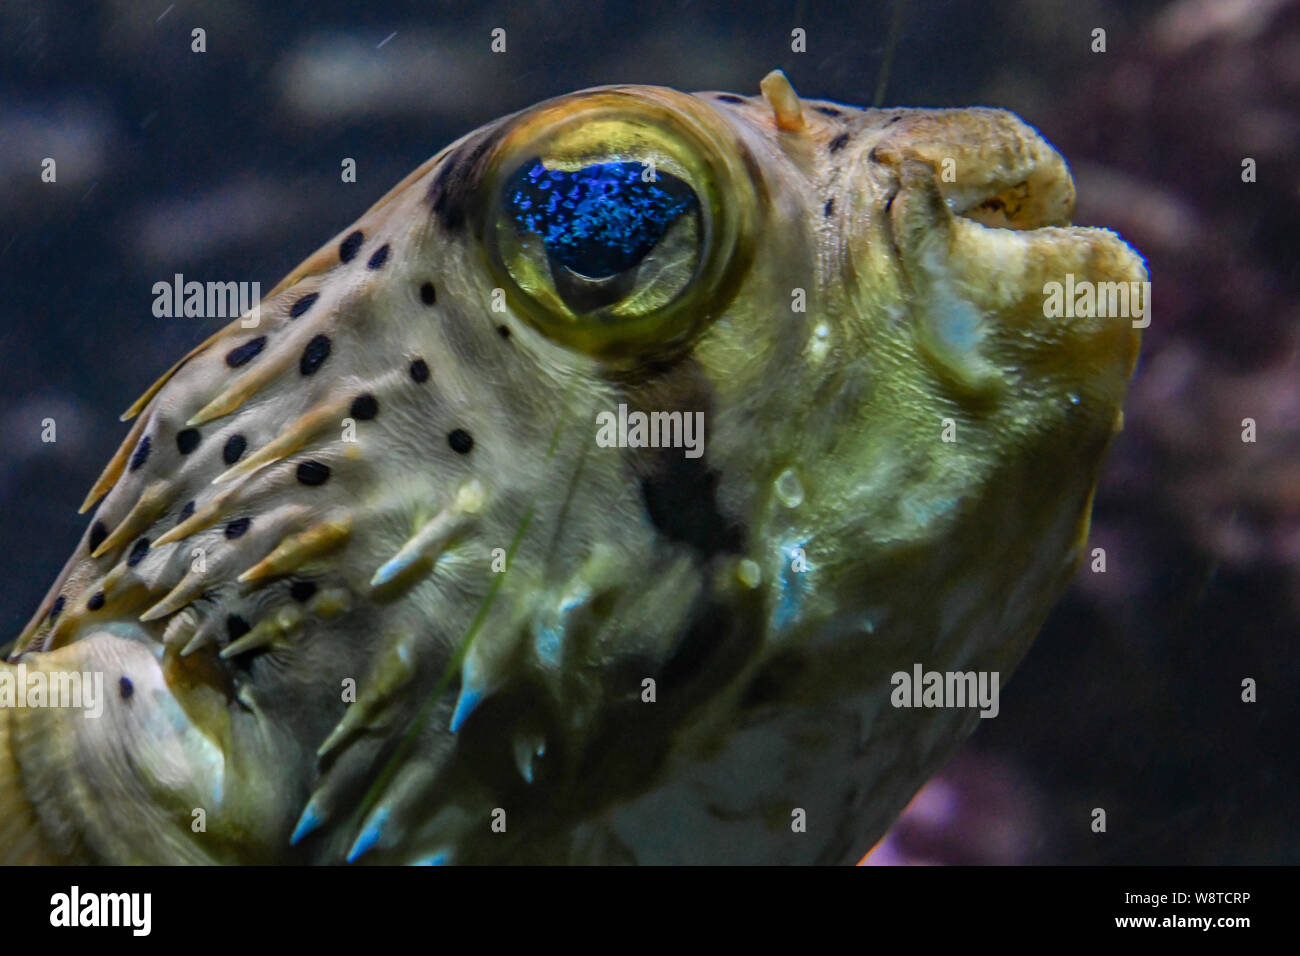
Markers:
(367, 584)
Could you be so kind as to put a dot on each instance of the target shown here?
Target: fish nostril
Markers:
(428, 294)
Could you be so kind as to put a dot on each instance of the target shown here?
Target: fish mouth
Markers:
(120, 714)
(967, 214)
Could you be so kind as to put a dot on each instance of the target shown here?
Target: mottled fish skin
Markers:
(330, 497)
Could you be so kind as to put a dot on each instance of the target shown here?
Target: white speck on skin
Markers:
(789, 489)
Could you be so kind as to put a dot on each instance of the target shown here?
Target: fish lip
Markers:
(125, 629)
(989, 166)
(1045, 197)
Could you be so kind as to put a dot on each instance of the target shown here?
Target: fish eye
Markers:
(619, 224)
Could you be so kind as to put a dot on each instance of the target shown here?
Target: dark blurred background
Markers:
(225, 166)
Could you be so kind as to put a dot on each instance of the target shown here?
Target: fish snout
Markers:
(971, 218)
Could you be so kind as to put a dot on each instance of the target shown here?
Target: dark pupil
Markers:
(599, 220)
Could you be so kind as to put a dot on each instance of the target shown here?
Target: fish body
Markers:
(579, 502)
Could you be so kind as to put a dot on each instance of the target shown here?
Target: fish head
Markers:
(582, 499)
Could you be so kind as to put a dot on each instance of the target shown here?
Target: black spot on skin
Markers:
(681, 500)
(894, 119)
(97, 535)
(96, 601)
(187, 439)
(314, 355)
(428, 294)
(125, 688)
(57, 608)
(379, 257)
(313, 472)
(303, 304)
(503, 331)
(186, 511)
(350, 246)
(141, 453)
(245, 353)
(236, 627)
(233, 449)
(138, 551)
(729, 98)
(364, 407)
(771, 680)
(838, 143)
(420, 370)
(828, 111)
(460, 441)
(302, 590)
(829, 207)
(696, 647)
(237, 527)
(458, 179)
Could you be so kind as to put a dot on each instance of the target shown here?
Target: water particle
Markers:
(789, 489)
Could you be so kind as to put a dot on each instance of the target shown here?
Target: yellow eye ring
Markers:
(667, 147)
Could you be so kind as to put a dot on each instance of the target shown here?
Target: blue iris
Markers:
(599, 220)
